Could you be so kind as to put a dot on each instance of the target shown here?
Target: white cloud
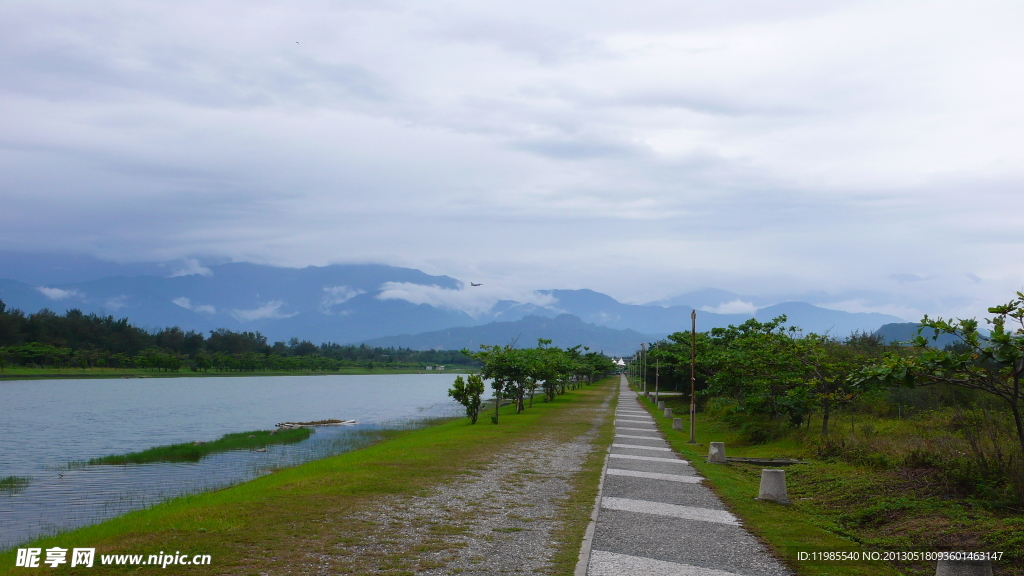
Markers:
(334, 295)
(116, 303)
(904, 278)
(58, 293)
(735, 307)
(787, 147)
(473, 300)
(271, 309)
(187, 304)
(192, 267)
(907, 313)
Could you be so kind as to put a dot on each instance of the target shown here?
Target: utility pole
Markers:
(657, 363)
(693, 375)
(643, 364)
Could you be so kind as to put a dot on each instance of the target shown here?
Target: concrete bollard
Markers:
(677, 423)
(716, 452)
(964, 568)
(773, 486)
(661, 404)
(668, 412)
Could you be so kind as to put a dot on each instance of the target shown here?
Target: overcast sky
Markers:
(868, 150)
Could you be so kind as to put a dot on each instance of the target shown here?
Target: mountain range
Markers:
(375, 304)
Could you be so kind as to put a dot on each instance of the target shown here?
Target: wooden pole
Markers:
(657, 363)
(693, 375)
(643, 364)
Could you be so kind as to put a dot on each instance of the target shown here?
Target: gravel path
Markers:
(493, 519)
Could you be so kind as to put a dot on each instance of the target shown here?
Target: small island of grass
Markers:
(195, 451)
(13, 484)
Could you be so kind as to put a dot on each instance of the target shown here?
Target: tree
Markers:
(468, 392)
(992, 364)
(757, 364)
(829, 364)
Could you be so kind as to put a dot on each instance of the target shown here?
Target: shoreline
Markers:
(114, 373)
(331, 507)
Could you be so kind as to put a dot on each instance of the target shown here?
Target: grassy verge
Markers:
(842, 506)
(313, 518)
(22, 373)
(577, 510)
(194, 451)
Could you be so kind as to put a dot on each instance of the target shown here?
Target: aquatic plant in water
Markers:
(195, 451)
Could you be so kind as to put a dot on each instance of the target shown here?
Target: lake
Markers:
(48, 428)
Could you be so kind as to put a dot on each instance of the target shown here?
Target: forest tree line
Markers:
(768, 377)
(78, 340)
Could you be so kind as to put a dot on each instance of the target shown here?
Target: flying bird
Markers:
(472, 284)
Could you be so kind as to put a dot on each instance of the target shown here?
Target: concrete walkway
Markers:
(654, 518)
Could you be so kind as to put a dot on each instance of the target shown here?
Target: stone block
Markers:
(773, 486)
(963, 568)
(716, 452)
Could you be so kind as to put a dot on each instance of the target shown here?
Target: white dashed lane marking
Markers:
(611, 564)
(654, 475)
(648, 458)
(672, 510)
(639, 447)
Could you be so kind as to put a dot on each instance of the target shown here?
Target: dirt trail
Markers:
(495, 518)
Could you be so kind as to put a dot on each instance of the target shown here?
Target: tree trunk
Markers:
(826, 412)
(1015, 406)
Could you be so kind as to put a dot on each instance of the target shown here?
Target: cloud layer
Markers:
(641, 151)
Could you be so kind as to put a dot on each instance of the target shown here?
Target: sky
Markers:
(866, 156)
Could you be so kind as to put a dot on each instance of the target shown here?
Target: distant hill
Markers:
(351, 303)
(907, 331)
(836, 323)
(564, 330)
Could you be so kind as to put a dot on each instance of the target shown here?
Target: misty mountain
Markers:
(330, 303)
(604, 310)
(564, 330)
(907, 331)
(349, 303)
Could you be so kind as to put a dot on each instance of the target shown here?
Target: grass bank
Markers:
(838, 504)
(313, 518)
(23, 373)
(195, 451)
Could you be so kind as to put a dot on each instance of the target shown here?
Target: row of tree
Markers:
(770, 369)
(518, 373)
(75, 339)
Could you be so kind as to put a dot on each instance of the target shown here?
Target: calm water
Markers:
(46, 426)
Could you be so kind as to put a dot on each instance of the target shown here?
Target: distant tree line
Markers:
(518, 374)
(78, 340)
(767, 377)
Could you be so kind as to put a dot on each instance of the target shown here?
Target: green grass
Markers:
(577, 510)
(194, 451)
(839, 505)
(315, 517)
(12, 485)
